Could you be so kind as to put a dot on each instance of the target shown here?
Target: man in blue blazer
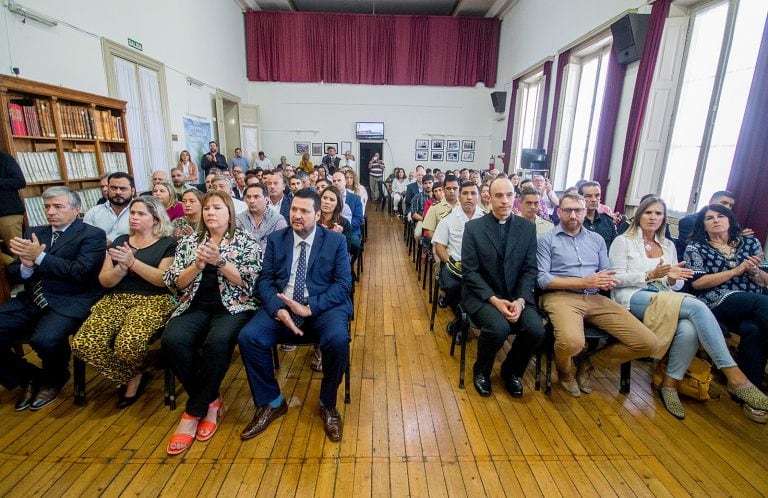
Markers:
(355, 205)
(304, 289)
(59, 264)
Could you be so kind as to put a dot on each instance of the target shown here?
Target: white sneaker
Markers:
(286, 348)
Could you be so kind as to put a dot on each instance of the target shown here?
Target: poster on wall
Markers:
(345, 147)
(197, 134)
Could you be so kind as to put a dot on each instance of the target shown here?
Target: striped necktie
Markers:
(300, 282)
(37, 289)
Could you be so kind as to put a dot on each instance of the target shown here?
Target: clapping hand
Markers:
(27, 250)
(207, 253)
(603, 280)
(679, 272)
(123, 255)
(751, 265)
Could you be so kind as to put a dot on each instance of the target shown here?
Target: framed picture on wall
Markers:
(452, 156)
(422, 144)
(301, 147)
(452, 145)
(438, 144)
(335, 145)
(468, 156)
(345, 147)
(467, 145)
(437, 155)
(317, 148)
(422, 155)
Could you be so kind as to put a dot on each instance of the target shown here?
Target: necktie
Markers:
(37, 290)
(300, 282)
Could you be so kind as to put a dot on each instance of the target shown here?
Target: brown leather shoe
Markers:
(45, 396)
(26, 397)
(261, 420)
(331, 422)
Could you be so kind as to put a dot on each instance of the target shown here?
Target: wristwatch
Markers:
(222, 263)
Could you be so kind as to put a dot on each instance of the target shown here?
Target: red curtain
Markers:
(562, 61)
(547, 72)
(371, 49)
(749, 171)
(659, 14)
(507, 146)
(614, 83)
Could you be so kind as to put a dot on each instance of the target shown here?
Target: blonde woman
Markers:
(115, 337)
(189, 167)
(166, 194)
(305, 164)
(353, 185)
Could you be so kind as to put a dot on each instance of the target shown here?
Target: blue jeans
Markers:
(695, 325)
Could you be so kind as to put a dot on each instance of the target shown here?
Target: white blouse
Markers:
(628, 260)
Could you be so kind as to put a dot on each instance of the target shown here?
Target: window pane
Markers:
(528, 122)
(739, 71)
(692, 108)
(579, 136)
(597, 109)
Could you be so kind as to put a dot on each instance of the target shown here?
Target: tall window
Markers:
(580, 116)
(722, 48)
(140, 81)
(529, 104)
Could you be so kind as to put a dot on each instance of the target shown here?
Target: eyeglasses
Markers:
(570, 211)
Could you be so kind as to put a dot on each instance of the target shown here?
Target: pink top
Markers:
(177, 211)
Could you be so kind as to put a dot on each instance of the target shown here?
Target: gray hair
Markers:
(73, 197)
(157, 210)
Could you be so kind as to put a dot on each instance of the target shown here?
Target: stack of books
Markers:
(35, 211)
(114, 161)
(31, 118)
(40, 166)
(81, 165)
(84, 122)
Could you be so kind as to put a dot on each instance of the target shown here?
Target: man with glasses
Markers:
(573, 268)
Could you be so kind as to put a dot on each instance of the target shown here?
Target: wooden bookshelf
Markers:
(61, 136)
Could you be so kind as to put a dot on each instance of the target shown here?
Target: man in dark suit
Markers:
(414, 188)
(213, 159)
(304, 289)
(356, 206)
(331, 160)
(59, 265)
(498, 256)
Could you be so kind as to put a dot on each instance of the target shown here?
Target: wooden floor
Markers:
(408, 431)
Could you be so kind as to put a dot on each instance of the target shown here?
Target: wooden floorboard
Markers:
(409, 431)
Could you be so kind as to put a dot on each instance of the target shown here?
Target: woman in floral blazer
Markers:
(214, 273)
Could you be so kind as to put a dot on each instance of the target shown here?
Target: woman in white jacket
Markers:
(645, 263)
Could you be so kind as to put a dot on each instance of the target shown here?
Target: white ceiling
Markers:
(476, 8)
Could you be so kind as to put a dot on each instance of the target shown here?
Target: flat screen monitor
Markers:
(370, 130)
(534, 159)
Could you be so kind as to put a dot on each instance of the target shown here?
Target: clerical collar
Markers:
(501, 222)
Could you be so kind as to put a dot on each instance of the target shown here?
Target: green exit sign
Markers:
(135, 44)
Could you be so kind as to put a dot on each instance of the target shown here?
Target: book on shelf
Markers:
(89, 197)
(39, 166)
(81, 164)
(30, 117)
(35, 211)
(115, 161)
(16, 115)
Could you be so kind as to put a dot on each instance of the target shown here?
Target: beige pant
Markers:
(10, 227)
(568, 310)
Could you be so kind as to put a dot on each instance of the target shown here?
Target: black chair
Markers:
(276, 362)
(434, 291)
(79, 382)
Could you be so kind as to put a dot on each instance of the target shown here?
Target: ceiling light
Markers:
(27, 13)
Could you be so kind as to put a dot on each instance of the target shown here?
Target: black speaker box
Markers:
(499, 100)
(629, 37)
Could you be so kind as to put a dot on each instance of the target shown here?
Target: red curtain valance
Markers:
(371, 49)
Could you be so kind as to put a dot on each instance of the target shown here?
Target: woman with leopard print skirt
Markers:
(115, 338)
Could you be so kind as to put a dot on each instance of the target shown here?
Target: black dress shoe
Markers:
(45, 396)
(261, 420)
(450, 328)
(482, 385)
(126, 401)
(28, 392)
(514, 386)
(441, 302)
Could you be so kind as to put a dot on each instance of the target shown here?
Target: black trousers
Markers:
(46, 331)
(199, 345)
(494, 330)
(451, 285)
(748, 313)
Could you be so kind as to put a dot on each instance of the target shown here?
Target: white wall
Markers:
(536, 29)
(204, 39)
(327, 113)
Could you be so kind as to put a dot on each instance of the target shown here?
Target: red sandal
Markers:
(206, 429)
(181, 441)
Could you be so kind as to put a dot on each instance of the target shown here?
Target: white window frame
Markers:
(532, 80)
(110, 50)
(697, 184)
(595, 48)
